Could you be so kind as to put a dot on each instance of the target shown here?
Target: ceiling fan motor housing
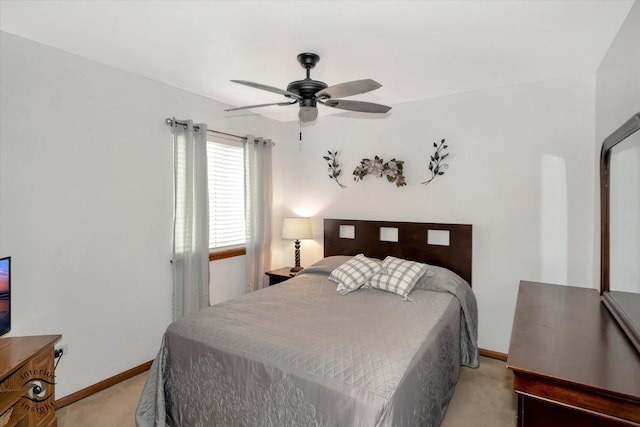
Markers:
(307, 89)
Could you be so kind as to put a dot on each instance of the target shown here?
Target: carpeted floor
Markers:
(483, 397)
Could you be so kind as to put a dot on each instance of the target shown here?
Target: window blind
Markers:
(226, 194)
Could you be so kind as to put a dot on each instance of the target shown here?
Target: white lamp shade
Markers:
(296, 228)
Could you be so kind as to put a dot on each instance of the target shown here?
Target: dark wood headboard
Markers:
(412, 243)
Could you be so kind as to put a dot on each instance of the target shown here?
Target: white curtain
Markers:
(191, 219)
(258, 205)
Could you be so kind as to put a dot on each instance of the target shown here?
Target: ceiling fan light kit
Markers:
(308, 93)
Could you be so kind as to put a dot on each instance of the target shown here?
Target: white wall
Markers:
(521, 171)
(227, 279)
(86, 205)
(618, 79)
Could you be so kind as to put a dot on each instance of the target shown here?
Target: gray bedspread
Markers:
(301, 354)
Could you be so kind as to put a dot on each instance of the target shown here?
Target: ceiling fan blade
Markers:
(261, 105)
(267, 88)
(343, 90)
(364, 107)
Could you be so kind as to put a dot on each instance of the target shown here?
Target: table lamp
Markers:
(296, 229)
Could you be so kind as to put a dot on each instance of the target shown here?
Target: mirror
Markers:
(620, 226)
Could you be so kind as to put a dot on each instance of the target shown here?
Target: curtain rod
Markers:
(171, 122)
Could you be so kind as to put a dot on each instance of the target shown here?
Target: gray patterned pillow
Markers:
(398, 276)
(355, 273)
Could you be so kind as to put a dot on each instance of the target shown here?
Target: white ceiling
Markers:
(415, 49)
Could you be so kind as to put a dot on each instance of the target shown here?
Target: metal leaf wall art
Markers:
(437, 166)
(334, 167)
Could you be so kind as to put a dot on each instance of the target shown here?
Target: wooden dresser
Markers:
(27, 381)
(572, 364)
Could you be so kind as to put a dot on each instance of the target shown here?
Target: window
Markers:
(226, 198)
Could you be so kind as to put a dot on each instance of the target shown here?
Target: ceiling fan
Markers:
(308, 93)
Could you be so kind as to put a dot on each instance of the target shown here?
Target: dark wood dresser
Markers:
(572, 364)
(27, 381)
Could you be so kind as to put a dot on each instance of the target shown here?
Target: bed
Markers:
(301, 354)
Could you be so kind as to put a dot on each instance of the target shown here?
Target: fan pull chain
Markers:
(300, 125)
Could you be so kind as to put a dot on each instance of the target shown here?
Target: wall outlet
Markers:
(64, 348)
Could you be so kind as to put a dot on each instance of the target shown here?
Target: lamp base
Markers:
(294, 270)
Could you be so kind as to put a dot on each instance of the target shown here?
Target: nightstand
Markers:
(279, 275)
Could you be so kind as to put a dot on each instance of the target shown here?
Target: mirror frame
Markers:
(630, 127)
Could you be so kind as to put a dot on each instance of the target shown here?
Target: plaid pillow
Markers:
(398, 276)
(354, 273)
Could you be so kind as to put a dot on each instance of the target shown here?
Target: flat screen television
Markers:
(5, 295)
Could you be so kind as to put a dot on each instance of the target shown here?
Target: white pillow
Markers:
(398, 276)
(355, 273)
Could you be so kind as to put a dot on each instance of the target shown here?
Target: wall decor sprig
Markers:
(334, 167)
(393, 170)
(436, 165)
